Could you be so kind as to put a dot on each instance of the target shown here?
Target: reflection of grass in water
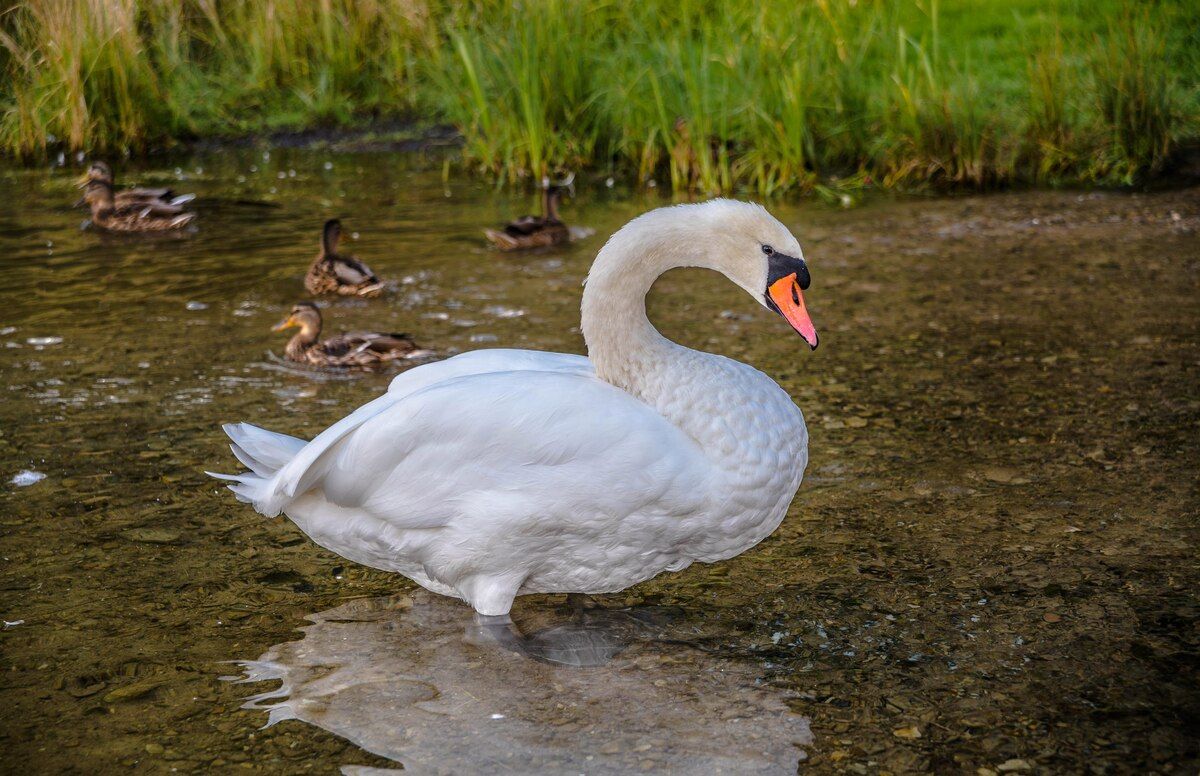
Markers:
(773, 96)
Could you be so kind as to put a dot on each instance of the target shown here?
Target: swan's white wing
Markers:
(303, 470)
(503, 448)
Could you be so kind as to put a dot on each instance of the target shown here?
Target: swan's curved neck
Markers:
(731, 411)
(621, 342)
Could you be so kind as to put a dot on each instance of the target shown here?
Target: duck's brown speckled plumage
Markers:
(337, 273)
(161, 201)
(357, 349)
(534, 231)
(109, 216)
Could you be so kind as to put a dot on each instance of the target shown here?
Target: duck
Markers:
(164, 201)
(359, 349)
(111, 217)
(535, 231)
(505, 472)
(337, 273)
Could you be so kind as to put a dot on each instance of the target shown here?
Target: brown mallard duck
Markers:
(535, 231)
(164, 201)
(361, 349)
(338, 273)
(107, 215)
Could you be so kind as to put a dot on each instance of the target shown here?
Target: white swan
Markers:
(502, 472)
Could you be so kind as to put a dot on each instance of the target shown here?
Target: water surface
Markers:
(992, 557)
(396, 676)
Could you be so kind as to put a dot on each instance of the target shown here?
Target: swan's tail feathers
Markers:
(264, 453)
(245, 486)
(267, 451)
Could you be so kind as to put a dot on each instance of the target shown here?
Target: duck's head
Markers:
(97, 171)
(303, 314)
(331, 235)
(741, 240)
(97, 194)
(553, 193)
(557, 187)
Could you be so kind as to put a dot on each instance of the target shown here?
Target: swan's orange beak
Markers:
(286, 323)
(788, 298)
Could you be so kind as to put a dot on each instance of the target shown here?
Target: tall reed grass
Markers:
(777, 96)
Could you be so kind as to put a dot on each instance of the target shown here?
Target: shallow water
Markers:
(396, 676)
(992, 557)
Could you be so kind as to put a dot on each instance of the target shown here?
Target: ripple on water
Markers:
(501, 311)
(396, 677)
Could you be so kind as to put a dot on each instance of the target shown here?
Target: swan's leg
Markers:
(565, 645)
(580, 603)
(497, 629)
(491, 595)
(571, 645)
(492, 599)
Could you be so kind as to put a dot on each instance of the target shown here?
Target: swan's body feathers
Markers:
(512, 465)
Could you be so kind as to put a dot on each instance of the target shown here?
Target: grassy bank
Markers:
(770, 97)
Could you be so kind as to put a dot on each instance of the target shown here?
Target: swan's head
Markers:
(749, 246)
(740, 240)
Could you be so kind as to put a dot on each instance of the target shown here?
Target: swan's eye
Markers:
(767, 249)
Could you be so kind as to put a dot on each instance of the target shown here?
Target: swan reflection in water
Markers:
(398, 677)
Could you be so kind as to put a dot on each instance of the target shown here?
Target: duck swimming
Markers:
(362, 349)
(163, 201)
(336, 273)
(535, 231)
(111, 217)
(502, 472)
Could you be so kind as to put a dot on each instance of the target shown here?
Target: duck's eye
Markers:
(767, 249)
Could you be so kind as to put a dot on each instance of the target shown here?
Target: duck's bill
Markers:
(785, 294)
(286, 323)
(82, 181)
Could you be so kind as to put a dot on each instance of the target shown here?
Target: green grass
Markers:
(772, 97)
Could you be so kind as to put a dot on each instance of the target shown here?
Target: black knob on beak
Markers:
(802, 277)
